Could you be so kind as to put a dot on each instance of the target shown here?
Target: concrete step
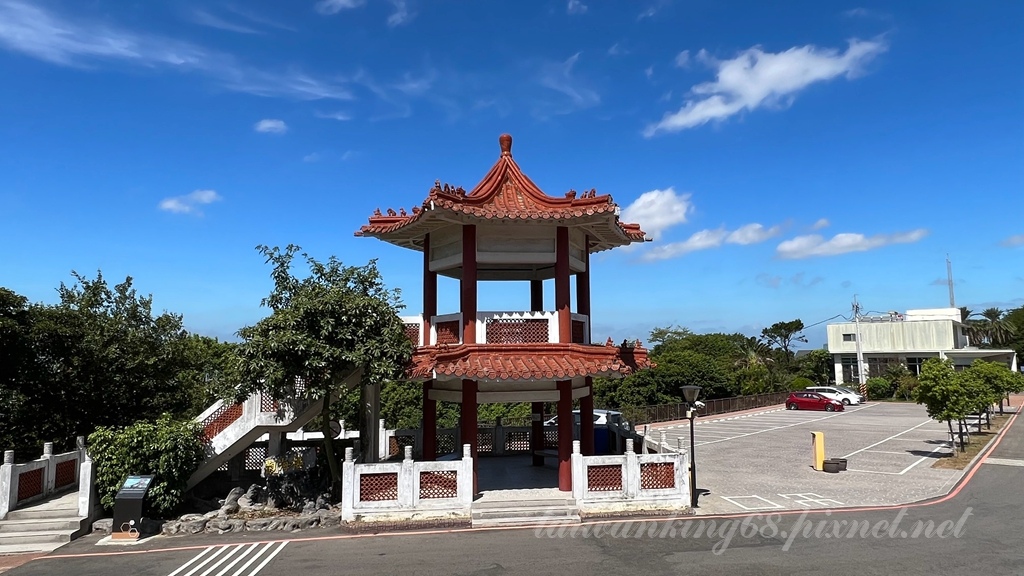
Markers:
(40, 537)
(526, 512)
(537, 503)
(526, 521)
(8, 549)
(41, 513)
(39, 525)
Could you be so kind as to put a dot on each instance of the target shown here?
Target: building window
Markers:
(878, 366)
(850, 371)
(849, 337)
(914, 365)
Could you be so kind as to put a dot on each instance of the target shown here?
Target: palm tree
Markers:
(753, 352)
(995, 328)
(972, 326)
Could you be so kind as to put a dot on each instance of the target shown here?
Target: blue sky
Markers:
(783, 159)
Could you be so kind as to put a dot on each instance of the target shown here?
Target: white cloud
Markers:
(189, 203)
(576, 7)
(313, 157)
(401, 15)
(349, 155)
(341, 116)
(46, 36)
(649, 72)
(1017, 240)
(335, 6)
(816, 245)
(615, 50)
(757, 78)
(271, 126)
(702, 240)
(821, 223)
(752, 234)
(559, 77)
(204, 18)
(683, 59)
(657, 211)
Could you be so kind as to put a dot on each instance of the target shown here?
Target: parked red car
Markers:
(812, 401)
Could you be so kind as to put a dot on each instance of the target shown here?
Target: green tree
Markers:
(321, 329)
(945, 394)
(995, 379)
(783, 334)
(817, 365)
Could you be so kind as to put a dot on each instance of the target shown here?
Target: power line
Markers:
(825, 320)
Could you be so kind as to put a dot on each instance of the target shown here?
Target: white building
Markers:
(909, 339)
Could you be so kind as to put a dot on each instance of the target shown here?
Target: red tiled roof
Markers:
(527, 361)
(505, 193)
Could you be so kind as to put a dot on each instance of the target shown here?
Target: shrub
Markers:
(799, 383)
(908, 384)
(169, 449)
(879, 388)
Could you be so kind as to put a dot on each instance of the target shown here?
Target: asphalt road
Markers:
(976, 530)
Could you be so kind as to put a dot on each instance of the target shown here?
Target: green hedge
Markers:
(880, 389)
(169, 449)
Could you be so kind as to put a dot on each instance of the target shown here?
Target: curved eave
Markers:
(525, 362)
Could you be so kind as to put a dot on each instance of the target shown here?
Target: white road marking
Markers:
(235, 553)
(808, 499)
(770, 505)
(1004, 461)
(887, 439)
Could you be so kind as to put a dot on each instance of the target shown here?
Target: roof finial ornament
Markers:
(505, 141)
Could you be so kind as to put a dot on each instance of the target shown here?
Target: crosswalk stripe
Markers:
(214, 558)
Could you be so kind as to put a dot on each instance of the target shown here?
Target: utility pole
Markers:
(949, 276)
(860, 351)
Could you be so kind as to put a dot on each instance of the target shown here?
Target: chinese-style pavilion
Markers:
(507, 229)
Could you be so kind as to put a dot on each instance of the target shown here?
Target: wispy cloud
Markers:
(756, 78)
(769, 280)
(204, 18)
(576, 7)
(400, 14)
(816, 245)
(312, 157)
(657, 211)
(46, 36)
(652, 9)
(682, 59)
(821, 223)
(560, 77)
(616, 49)
(271, 126)
(798, 279)
(1016, 240)
(706, 239)
(341, 116)
(189, 203)
(334, 6)
(941, 281)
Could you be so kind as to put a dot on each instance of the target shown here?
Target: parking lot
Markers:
(763, 461)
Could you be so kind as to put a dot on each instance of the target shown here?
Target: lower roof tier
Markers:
(527, 362)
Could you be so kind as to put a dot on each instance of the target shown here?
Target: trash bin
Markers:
(128, 507)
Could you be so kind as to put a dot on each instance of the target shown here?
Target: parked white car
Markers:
(844, 395)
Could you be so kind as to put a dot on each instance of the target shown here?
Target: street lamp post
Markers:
(690, 394)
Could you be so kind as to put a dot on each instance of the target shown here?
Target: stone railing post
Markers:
(383, 444)
(631, 474)
(465, 477)
(88, 499)
(663, 446)
(50, 470)
(8, 485)
(579, 472)
(407, 495)
(348, 486)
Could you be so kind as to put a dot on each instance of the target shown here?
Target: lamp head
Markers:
(690, 393)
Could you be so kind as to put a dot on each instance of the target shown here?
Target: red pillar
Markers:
(583, 288)
(429, 423)
(562, 284)
(565, 426)
(429, 292)
(537, 295)
(469, 424)
(537, 432)
(587, 419)
(468, 284)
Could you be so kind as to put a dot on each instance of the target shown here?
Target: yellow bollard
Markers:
(818, 448)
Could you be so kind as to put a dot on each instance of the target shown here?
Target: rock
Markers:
(329, 518)
(233, 496)
(219, 526)
(230, 508)
(151, 526)
(171, 528)
(300, 523)
(209, 515)
(322, 503)
(193, 526)
(309, 508)
(104, 525)
(256, 494)
(192, 517)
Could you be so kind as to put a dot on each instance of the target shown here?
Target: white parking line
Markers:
(889, 438)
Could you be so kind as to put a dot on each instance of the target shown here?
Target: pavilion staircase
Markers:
(545, 512)
(231, 428)
(43, 526)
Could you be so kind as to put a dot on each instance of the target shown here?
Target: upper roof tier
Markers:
(505, 195)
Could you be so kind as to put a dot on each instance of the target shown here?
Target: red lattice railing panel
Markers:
(30, 484)
(605, 478)
(378, 487)
(65, 475)
(516, 331)
(445, 444)
(449, 332)
(268, 404)
(222, 418)
(485, 441)
(579, 329)
(412, 332)
(442, 484)
(517, 441)
(654, 475)
(397, 444)
(550, 439)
